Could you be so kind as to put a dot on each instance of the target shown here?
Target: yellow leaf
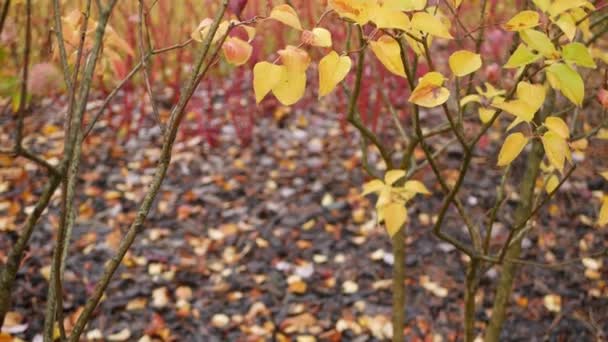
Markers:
(416, 187)
(580, 145)
(392, 176)
(464, 62)
(543, 5)
(605, 175)
(469, 99)
(384, 198)
(386, 17)
(530, 97)
(265, 77)
(565, 79)
(395, 215)
(557, 125)
(202, 30)
(533, 94)
(560, 6)
(332, 70)
(402, 5)
(372, 186)
(236, 51)
(577, 53)
(294, 58)
(519, 108)
(521, 57)
(250, 30)
(355, 10)
(584, 24)
(490, 91)
(416, 46)
(556, 149)
(551, 184)
(602, 219)
(317, 37)
(291, 86)
(522, 20)
(511, 148)
(287, 15)
(540, 42)
(567, 24)
(486, 114)
(388, 51)
(287, 82)
(514, 124)
(553, 302)
(428, 23)
(414, 5)
(429, 92)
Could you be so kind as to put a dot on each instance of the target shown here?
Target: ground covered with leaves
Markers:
(272, 241)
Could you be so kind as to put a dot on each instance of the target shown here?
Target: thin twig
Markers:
(175, 119)
(516, 230)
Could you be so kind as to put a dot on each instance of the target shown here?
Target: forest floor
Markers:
(272, 241)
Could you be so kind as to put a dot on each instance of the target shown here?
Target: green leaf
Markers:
(565, 79)
(521, 57)
(577, 53)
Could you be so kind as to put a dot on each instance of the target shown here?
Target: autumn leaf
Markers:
(556, 149)
(486, 114)
(567, 24)
(464, 62)
(388, 51)
(511, 148)
(395, 215)
(291, 87)
(540, 42)
(355, 10)
(551, 184)
(236, 51)
(602, 219)
(392, 199)
(430, 92)
(565, 79)
(386, 17)
(522, 56)
(203, 28)
(522, 20)
(560, 6)
(428, 23)
(287, 15)
(530, 97)
(577, 53)
(265, 76)
(319, 37)
(332, 70)
(558, 126)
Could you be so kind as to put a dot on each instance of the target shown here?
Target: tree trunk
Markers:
(509, 269)
(399, 285)
(469, 300)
